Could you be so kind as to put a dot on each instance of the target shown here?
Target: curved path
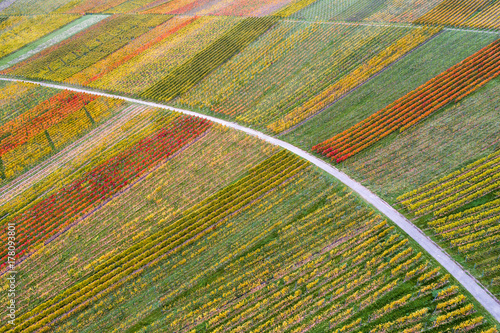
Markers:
(482, 296)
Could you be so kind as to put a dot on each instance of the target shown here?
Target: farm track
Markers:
(485, 298)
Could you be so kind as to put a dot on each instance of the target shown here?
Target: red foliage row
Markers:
(41, 117)
(56, 212)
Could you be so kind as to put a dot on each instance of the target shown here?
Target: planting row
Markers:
(133, 49)
(49, 216)
(327, 264)
(17, 31)
(356, 77)
(474, 234)
(456, 189)
(293, 7)
(487, 18)
(212, 162)
(184, 38)
(449, 87)
(44, 122)
(217, 7)
(365, 10)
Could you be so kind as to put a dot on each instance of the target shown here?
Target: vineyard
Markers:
(17, 31)
(185, 76)
(456, 189)
(187, 36)
(83, 49)
(464, 13)
(464, 211)
(473, 233)
(364, 10)
(257, 86)
(449, 87)
(39, 122)
(156, 174)
(432, 149)
(304, 290)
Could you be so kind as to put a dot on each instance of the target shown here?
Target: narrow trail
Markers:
(489, 302)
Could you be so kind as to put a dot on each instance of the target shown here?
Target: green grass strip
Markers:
(185, 76)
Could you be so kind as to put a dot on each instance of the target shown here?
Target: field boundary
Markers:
(474, 287)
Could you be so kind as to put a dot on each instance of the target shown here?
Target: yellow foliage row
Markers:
(488, 18)
(70, 127)
(455, 189)
(293, 8)
(452, 12)
(153, 64)
(62, 133)
(30, 153)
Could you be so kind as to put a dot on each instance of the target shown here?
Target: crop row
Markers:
(293, 7)
(46, 124)
(402, 12)
(455, 189)
(84, 49)
(43, 116)
(175, 7)
(192, 71)
(325, 268)
(107, 141)
(474, 233)
(17, 31)
(353, 79)
(367, 11)
(450, 86)
(197, 221)
(126, 53)
(218, 8)
(57, 211)
(453, 12)
(93, 6)
(19, 97)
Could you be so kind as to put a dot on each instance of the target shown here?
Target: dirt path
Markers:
(489, 302)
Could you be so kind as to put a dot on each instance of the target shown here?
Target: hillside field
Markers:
(250, 166)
